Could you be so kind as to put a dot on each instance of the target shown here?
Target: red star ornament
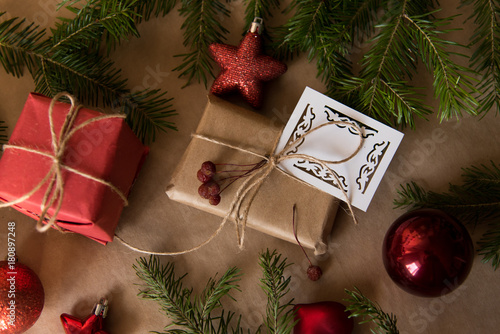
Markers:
(245, 68)
(93, 324)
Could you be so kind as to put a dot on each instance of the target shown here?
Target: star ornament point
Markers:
(244, 69)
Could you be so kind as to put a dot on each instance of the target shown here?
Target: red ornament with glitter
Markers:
(245, 68)
(92, 324)
(21, 297)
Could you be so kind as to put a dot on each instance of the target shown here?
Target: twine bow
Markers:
(256, 179)
(54, 177)
(272, 161)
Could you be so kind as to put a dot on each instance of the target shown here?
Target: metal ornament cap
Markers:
(257, 25)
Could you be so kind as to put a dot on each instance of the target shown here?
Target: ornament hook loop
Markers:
(257, 25)
(101, 308)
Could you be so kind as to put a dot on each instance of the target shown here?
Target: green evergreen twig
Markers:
(195, 314)
(486, 57)
(279, 315)
(70, 60)
(476, 201)
(407, 32)
(204, 313)
(201, 27)
(361, 306)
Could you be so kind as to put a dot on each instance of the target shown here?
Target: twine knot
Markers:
(54, 177)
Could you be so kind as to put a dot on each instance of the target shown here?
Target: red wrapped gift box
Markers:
(106, 149)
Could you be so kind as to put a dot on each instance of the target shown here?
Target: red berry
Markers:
(203, 191)
(202, 176)
(213, 188)
(314, 273)
(208, 168)
(214, 200)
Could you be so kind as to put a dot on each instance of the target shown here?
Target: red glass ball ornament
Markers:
(323, 317)
(21, 298)
(427, 252)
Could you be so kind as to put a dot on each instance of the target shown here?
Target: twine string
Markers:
(54, 194)
(240, 209)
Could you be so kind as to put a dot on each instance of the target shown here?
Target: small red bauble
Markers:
(427, 252)
(92, 324)
(244, 68)
(21, 298)
(322, 318)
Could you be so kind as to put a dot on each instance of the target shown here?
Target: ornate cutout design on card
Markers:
(373, 159)
(316, 170)
(302, 127)
(360, 175)
(333, 115)
(321, 173)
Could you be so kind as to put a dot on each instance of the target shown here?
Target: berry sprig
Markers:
(211, 182)
(314, 273)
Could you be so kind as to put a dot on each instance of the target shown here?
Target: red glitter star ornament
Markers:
(90, 325)
(244, 68)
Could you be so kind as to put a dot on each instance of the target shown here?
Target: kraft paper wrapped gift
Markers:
(271, 209)
(106, 149)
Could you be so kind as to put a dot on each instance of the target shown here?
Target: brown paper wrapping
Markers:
(271, 210)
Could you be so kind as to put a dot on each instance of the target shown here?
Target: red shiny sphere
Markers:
(21, 298)
(428, 253)
(322, 317)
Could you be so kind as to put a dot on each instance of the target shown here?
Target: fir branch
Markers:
(361, 306)
(259, 8)
(279, 316)
(304, 28)
(98, 20)
(362, 18)
(61, 63)
(108, 20)
(3, 130)
(489, 245)
(193, 314)
(393, 57)
(147, 111)
(486, 57)
(317, 30)
(406, 32)
(454, 85)
(201, 28)
(144, 9)
(153, 8)
(476, 201)
(18, 44)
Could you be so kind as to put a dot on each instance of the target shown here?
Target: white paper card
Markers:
(360, 176)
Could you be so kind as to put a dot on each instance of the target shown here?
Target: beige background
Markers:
(76, 271)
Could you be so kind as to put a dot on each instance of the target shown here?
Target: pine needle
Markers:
(486, 57)
(361, 306)
(201, 27)
(279, 316)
